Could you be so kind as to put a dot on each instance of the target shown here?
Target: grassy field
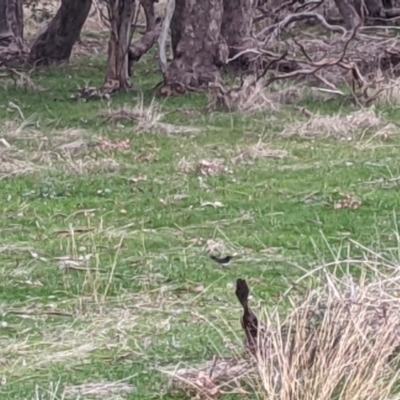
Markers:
(105, 271)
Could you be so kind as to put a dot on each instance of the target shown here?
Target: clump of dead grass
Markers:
(340, 127)
(253, 96)
(260, 150)
(341, 340)
(12, 166)
(249, 97)
(89, 165)
(204, 167)
(147, 119)
(389, 93)
(99, 390)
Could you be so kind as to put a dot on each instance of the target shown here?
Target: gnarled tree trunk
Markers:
(121, 14)
(55, 43)
(198, 46)
(11, 27)
(237, 22)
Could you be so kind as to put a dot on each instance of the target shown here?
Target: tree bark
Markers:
(121, 14)
(55, 43)
(198, 46)
(11, 27)
(237, 22)
(147, 41)
(349, 14)
(368, 8)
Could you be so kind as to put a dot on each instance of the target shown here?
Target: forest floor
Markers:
(110, 209)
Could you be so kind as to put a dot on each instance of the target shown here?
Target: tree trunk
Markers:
(237, 22)
(147, 41)
(55, 43)
(199, 48)
(368, 8)
(11, 27)
(349, 14)
(121, 14)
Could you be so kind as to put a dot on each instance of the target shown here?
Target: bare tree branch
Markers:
(162, 40)
(277, 28)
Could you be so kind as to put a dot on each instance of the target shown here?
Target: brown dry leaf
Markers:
(216, 247)
(349, 202)
(120, 145)
(213, 167)
(146, 157)
(208, 388)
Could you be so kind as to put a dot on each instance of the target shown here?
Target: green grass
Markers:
(135, 306)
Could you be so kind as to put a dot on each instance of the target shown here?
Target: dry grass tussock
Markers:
(389, 93)
(25, 149)
(341, 340)
(75, 338)
(90, 390)
(147, 119)
(98, 390)
(341, 127)
(260, 150)
(252, 96)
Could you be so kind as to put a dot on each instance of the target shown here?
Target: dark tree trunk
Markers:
(368, 8)
(199, 48)
(55, 44)
(121, 14)
(373, 8)
(387, 4)
(237, 22)
(349, 14)
(11, 27)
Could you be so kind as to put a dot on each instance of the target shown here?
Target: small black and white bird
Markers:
(225, 261)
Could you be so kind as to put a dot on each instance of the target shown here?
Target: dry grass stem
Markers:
(147, 119)
(248, 154)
